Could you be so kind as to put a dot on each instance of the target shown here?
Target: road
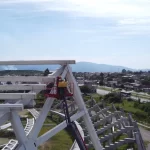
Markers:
(104, 92)
(142, 99)
(145, 135)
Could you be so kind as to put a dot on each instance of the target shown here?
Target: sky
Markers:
(115, 32)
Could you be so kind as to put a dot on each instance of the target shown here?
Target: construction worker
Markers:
(62, 85)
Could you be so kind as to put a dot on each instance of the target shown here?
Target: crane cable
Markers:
(73, 126)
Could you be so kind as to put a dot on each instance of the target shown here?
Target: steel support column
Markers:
(79, 100)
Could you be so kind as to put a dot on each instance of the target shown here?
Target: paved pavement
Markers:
(142, 99)
(145, 135)
(104, 92)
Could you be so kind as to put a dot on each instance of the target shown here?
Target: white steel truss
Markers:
(37, 62)
(34, 113)
(31, 79)
(32, 141)
(17, 87)
(19, 96)
(11, 145)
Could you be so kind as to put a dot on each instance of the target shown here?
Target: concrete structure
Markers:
(23, 87)
(5, 126)
(100, 124)
(109, 125)
(11, 145)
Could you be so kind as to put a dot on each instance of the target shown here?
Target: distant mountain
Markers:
(93, 67)
(78, 67)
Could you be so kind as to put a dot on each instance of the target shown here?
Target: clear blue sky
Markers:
(115, 32)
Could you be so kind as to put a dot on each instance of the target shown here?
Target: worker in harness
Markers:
(62, 91)
(62, 87)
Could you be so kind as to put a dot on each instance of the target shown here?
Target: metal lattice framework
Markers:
(109, 123)
(31, 141)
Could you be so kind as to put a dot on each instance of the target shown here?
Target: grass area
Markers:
(96, 96)
(121, 137)
(61, 141)
(29, 115)
(127, 146)
(108, 89)
(45, 129)
(140, 95)
(137, 113)
(104, 88)
(128, 106)
(48, 121)
(146, 143)
(24, 122)
(24, 112)
(4, 140)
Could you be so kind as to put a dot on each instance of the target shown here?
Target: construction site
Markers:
(90, 125)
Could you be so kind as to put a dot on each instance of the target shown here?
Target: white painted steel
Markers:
(58, 113)
(63, 75)
(33, 141)
(11, 107)
(11, 145)
(42, 116)
(79, 100)
(46, 108)
(37, 62)
(5, 126)
(4, 117)
(17, 87)
(31, 79)
(34, 113)
(1, 146)
(29, 126)
(75, 144)
(17, 96)
(18, 128)
(57, 129)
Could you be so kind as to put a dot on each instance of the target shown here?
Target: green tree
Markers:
(109, 79)
(101, 83)
(122, 86)
(46, 72)
(139, 100)
(101, 79)
(124, 71)
(145, 82)
(129, 71)
(127, 80)
(85, 89)
(112, 98)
